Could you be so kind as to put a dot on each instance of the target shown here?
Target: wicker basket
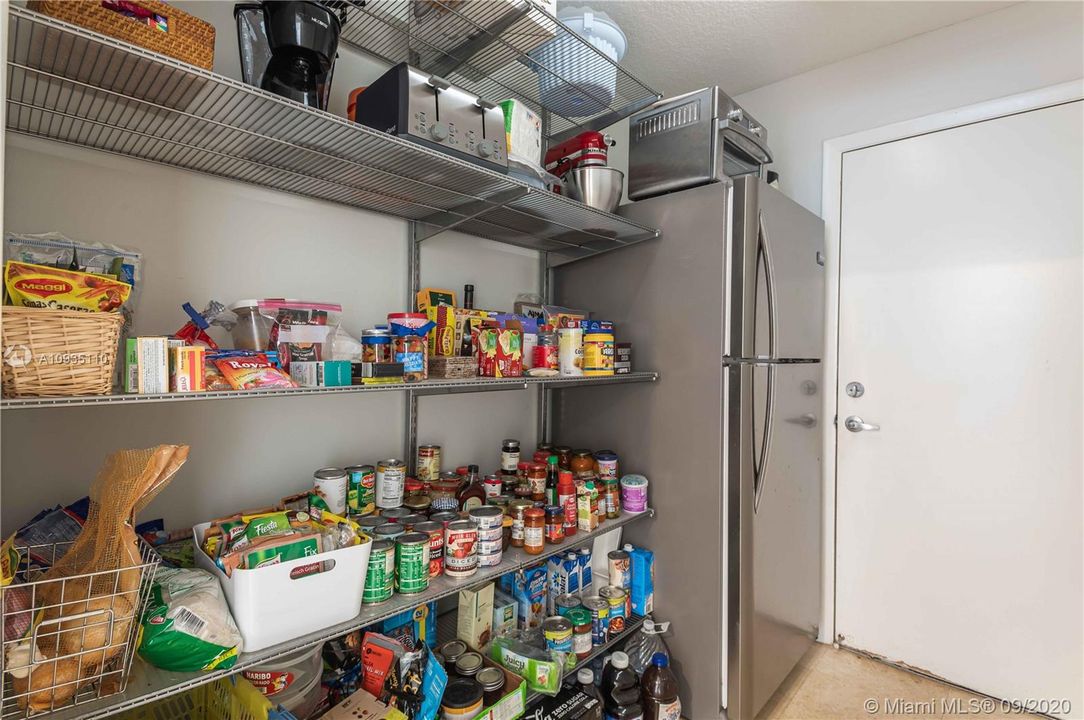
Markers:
(186, 37)
(58, 353)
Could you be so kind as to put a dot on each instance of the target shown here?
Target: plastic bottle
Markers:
(620, 690)
(660, 691)
(645, 644)
(586, 679)
(566, 499)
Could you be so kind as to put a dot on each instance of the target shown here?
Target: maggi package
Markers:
(253, 371)
(51, 288)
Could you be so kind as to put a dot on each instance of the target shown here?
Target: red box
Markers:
(500, 352)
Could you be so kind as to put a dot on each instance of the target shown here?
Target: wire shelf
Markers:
(498, 49)
(71, 85)
(149, 684)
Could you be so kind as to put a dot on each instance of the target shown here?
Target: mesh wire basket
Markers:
(97, 612)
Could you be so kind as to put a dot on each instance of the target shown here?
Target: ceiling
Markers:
(681, 45)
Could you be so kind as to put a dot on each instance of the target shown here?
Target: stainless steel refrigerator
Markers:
(728, 306)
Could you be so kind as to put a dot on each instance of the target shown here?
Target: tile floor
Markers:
(830, 684)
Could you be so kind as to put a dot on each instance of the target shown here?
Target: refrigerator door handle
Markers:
(760, 466)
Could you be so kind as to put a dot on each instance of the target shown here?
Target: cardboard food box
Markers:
(475, 616)
(500, 351)
(514, 701)
(186, 371)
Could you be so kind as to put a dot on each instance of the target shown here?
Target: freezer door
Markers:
(784, 247)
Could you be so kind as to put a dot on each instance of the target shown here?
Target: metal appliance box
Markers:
(429, 110)
(693, 139)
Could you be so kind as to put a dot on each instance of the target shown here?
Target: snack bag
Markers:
(187, 625)
(301, 331)
(254, 371)
(55, 289)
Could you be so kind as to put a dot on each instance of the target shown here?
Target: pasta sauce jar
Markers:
(534, 530)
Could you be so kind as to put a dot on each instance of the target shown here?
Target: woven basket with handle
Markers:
(58, 353)
(185, 36)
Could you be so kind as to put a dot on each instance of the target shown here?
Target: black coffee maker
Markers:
(288, 47)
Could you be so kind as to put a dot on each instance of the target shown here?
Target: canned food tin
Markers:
(435, 531)
(409, 521)
(412, 563)
(331, 484)
(492, 485)
(620, 567)
(490, 560)
(600, 619)
(487, 517)
(390, 478)
(558, 634)
(394, 514)
(598, 354)
(581, 631)
(570, 351)
(566, 603)
(491, 535)
(388, 531)
(427, 467)
(615, 596)
(460, 553)
(488, 547)
(444, 517)
(370, 522)
(500, 501)
(380, 576)
(360, 497)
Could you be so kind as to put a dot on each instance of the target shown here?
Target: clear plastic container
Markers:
(252, 329)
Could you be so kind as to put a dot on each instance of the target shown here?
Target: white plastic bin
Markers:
(573, 79)
(271, 607)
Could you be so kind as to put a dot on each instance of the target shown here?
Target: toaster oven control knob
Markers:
(439, 131)
(487, 148)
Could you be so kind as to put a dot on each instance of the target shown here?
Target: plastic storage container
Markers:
(271, 607)
(574, 80)
(252, 330)
(284, 677)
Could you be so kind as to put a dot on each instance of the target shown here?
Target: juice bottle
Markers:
(586, 679)
(620, 690)
(660, 691)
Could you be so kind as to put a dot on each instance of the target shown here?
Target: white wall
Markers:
(205, 238)
(1026, 46)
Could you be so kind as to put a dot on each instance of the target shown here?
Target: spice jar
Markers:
(564, 456)
(534, 521)
(555, 524)
(582, 462)
(492, 681)
(536, 481)
(516, 509)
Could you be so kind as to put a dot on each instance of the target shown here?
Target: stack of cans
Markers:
(490, 520)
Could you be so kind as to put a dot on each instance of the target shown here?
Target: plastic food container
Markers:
(572, 79)
(284, 677)
(252, 330)
(270, 606)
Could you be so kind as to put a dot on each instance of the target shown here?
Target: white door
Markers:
(959, 534)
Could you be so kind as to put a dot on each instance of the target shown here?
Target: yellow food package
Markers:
(51, 288)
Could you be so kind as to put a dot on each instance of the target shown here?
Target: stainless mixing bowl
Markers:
(596, 186)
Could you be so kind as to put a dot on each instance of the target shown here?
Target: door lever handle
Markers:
(809, 420)
(856, 424)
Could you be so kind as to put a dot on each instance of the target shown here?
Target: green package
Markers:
(541, 670)
(187, 625)
(301, 548)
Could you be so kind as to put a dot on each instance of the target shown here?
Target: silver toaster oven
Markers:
(690, 140)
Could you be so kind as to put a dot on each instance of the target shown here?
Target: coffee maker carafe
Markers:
(288, 48)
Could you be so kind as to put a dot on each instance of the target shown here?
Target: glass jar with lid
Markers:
(582, 462)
